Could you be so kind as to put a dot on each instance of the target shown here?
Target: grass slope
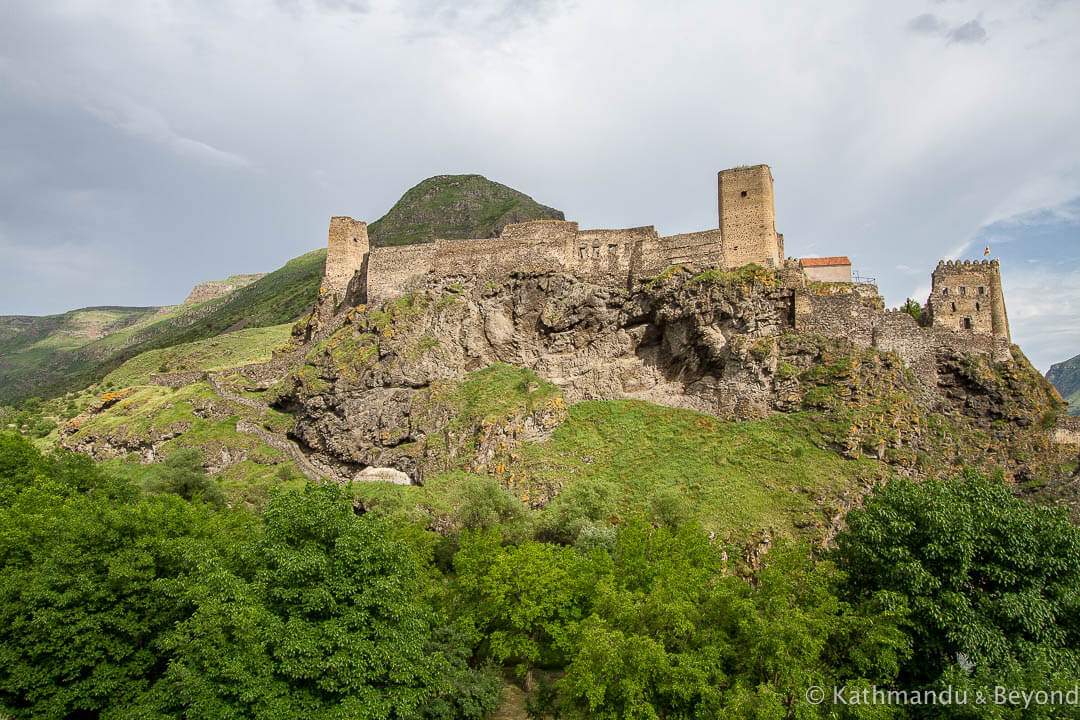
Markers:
(455, 207)
(33, 350)
(215, 353)
(737, 478)
(279, 297)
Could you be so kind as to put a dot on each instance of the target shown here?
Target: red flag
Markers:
(987, 252)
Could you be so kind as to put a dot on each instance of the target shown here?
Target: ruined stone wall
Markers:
(536, 245)
(1067, 430)
(397, 270)
(705, 249)
(346, 251)
(610, 256)
(898, 332)
(848, 315)
(748, 216)
(859, 317)
(967, 297)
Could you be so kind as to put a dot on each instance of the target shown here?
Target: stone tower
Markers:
(967, 297)
(346, 253)
(748, 217)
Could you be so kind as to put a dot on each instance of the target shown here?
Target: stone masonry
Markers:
(967, 297)
(748, 216)
(747, 234)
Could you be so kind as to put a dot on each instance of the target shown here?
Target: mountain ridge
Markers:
(1065, 376)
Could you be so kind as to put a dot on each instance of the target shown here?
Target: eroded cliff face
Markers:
(383, 390)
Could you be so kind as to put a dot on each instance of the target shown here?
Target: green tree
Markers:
(322, 620)
(522, 598)
(986, 576)
(182, 473)
(912, 308)
(87, 587)
(674, 632)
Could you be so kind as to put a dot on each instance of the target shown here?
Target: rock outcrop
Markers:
(371, 394)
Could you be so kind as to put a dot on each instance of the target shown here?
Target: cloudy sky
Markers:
(148, 146)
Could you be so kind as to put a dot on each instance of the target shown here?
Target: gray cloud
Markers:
(968, 33)
(147, 147)
(927, 23)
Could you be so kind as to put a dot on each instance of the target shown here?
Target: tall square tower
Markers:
(748, 217)
(346, 252)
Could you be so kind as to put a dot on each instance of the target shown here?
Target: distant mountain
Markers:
(1065, 376)
(48, 356)
(455, 207)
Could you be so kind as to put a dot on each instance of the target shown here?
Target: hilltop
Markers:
(453, 207)
(1065, 376)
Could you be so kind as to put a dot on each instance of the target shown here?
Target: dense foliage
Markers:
(120, 600)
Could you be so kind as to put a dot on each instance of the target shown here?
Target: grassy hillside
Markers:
(215, 353)
(1065, 376)
(279, 297)
(49, 356)
(34, 351)
(454, 207)
(622, 457)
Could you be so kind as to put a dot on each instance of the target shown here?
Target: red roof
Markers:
(824, 262)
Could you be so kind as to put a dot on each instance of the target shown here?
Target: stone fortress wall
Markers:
(966, 306)
(747, 234)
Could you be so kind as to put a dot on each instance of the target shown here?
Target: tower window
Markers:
(596, 251)
(743, 193)
(963, 291)
(978, 306)
(965, 324)
(954, 307)
(583, 252)
(945, 291)
(612, 249)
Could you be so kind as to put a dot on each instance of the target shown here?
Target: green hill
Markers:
(50, 365)
(1065, 376)
(34, 350)
(455, 207)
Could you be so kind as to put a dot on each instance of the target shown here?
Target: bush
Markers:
(588, 502)
(483, 503)
(182, 474)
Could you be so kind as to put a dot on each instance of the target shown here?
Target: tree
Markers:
(912, 308)
(522, 598)
(182, 473)
(321, 620)
(985, 575)
(87, 583)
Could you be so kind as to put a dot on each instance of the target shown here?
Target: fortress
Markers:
(746, 234)
(965, 311)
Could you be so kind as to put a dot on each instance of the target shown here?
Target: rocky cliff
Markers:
(719, 343)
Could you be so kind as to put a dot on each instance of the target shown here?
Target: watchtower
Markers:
(966, 296)
(748, 217)
(346, 252)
